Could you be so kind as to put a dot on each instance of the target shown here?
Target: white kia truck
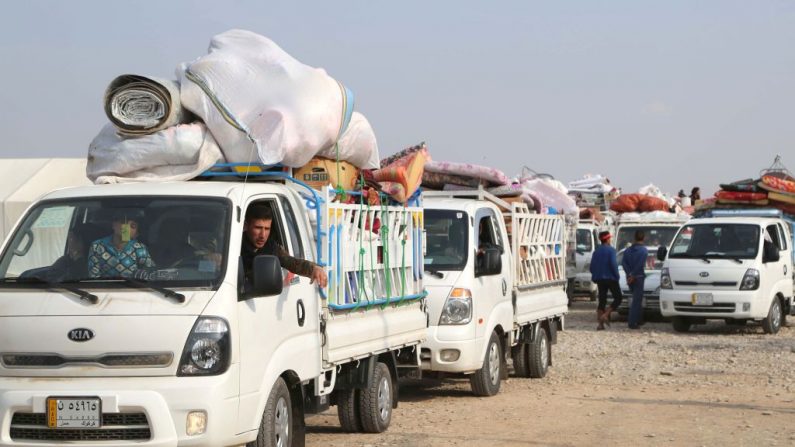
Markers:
(586, 243)
(495, 276)
(736, 266)
(659, 228)
(160, 340)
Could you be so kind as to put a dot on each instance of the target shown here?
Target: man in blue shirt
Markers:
(634, 264)
(604, 272)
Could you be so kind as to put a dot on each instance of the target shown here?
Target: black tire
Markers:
(486, 380)
(539, 354)
(277, 428)
(681, 324)
(376, 401)
(772, 322)
(521, 360)
(348, 411)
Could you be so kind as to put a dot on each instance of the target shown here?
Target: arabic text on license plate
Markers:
(74, 412)
(702, 299)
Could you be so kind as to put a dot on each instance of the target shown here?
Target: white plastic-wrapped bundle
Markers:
(176, 153)
(548, 192)
(140, 105)
(261, 104)
(357, 145)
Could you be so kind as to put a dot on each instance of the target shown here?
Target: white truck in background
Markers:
(586, 243)
(185, 355)
(736, 265)
(495, 282)
(659, 228)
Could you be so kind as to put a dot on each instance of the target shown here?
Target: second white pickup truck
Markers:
(495, 283)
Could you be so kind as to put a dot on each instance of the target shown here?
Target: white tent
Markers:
(23, 180)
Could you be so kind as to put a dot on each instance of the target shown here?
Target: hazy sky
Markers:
(678, 93)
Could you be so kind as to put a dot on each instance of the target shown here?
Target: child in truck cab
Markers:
(257, 241)
(120, 254)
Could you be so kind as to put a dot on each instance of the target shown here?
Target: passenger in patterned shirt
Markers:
(257, 241)
(120, 254)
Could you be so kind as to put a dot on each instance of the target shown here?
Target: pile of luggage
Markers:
(774, 188)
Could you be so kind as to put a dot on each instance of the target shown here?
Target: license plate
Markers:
(74, 412)
(702, 299)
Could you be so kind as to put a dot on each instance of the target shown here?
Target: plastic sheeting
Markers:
(139, 105)
(262, 105)
(191, 150)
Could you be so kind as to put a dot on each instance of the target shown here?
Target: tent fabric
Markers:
(24, 180)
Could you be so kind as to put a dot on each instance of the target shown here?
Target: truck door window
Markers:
(486, 232)
(772, 232)
(782, 237)
(292, 228)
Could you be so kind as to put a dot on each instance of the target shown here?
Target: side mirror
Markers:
(489, 263)
(662, 253)
(266, 277)
(769, 253)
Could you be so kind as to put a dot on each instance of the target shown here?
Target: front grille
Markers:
(685, 306)
(115, 427)
(138, 360)
(708, 284)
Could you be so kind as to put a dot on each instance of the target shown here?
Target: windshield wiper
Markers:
(86, 296)
(706, 259)
(737, 260)
(142, 284)
(435, 273)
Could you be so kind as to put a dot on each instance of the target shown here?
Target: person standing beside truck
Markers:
(604, 272)
(257, 241)
(634, 264)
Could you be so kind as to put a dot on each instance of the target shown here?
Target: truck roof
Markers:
(763, 221)
(177, 188)
(470, 205)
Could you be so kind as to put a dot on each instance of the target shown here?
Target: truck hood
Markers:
(650, 285)
(128, 332)
(438, 291)
(695, 273)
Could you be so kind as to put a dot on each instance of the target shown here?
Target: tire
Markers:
(348, 411)
(277, 428)
(486, 380)
(521, 360)
(376, 401)
(681, 324)
(772, 322)
(539, 354)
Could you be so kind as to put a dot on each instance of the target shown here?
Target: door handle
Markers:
(301, 312)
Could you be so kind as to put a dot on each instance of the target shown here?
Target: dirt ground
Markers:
(717, 385)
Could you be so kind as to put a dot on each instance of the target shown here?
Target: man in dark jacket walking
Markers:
(604, 272)
(634, 264)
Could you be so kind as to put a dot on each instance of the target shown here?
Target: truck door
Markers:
(282, 330)
(491, 289)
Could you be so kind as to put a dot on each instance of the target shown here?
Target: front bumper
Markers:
(455, 338)
(651, 302)
(735, 304)
(165, 402)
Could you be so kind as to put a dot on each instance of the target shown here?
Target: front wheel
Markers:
(277, 426)
(539, 354)
(375, 401)
(772, 323)
(681, 324)
(486, 380)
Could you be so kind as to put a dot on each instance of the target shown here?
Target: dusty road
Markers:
(717, 385)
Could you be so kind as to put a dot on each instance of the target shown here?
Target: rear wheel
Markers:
(539, 354)
(486, 381)
(772, 323)
(375, 401)
(681, 324)
(348, 410)
(521, 360)
(277, 426)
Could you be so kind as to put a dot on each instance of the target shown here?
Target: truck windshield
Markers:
(655, 235)
(160, 240)
(734, 241)
(584, 241)
(447, 239)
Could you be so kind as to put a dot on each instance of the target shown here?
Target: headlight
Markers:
(207, 351)
(665, 279)
(457, 308)
(750, 280)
